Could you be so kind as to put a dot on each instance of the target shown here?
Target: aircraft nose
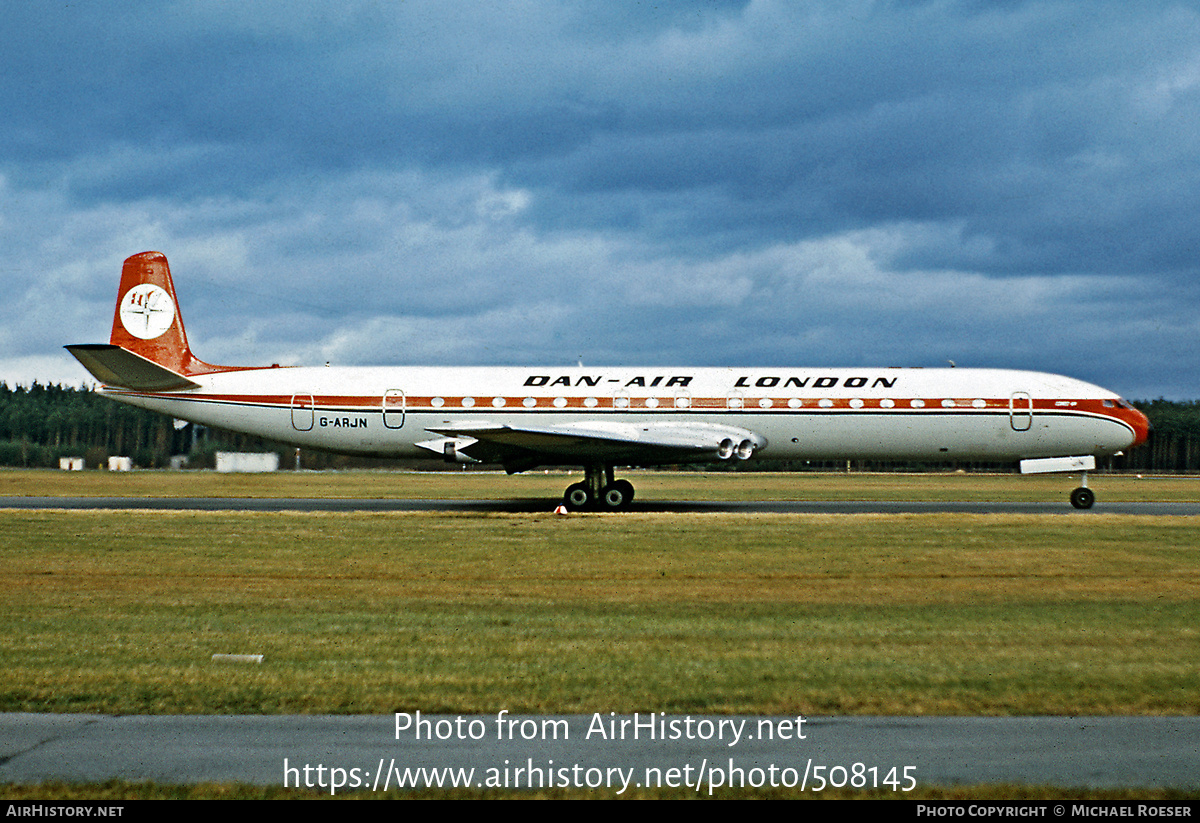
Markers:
(1140, 423)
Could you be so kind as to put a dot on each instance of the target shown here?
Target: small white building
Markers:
(120, 464)
(247, 462)
(71, 464)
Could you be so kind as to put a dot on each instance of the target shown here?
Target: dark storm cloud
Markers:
(909, 182)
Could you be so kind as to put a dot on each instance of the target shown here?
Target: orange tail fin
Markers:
(147, 320)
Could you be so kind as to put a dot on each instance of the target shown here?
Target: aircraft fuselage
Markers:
(813, 414)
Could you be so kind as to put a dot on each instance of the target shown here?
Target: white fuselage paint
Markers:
(852, 413)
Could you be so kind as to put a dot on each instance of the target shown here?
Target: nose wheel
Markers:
(598, 492)
(1083, 497)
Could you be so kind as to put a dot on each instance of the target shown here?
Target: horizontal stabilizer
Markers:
(115, 366)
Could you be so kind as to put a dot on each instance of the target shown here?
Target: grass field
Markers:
(121, 612)
(651, 485)
(905, 614)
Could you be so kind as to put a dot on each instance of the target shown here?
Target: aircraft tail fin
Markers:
(147, 321)
(148, 349)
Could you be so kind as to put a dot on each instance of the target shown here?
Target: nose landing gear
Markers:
(1083, 497)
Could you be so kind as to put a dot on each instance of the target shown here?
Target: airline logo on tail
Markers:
(147, 311)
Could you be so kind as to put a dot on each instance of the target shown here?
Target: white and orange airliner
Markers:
(601, 418)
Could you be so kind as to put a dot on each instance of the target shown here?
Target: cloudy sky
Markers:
(843, 183)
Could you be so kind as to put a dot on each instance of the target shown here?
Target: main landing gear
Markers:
(598, 491)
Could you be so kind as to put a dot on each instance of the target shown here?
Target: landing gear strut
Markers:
(1083, 497)
(598, 491)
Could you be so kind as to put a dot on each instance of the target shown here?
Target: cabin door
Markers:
(302, 412)
(1020, 411)
(393, 409)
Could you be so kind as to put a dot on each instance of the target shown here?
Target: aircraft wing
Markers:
(521, 447)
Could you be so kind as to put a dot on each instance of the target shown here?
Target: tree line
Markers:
(41, 423)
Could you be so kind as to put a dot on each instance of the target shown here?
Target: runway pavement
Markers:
(603, 751)
(273, 504)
